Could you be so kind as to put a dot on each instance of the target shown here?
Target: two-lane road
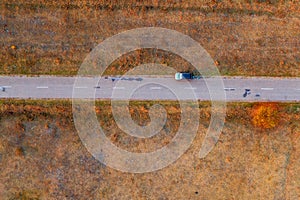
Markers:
(147, 88)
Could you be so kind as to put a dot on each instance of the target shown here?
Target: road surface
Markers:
(147, 88)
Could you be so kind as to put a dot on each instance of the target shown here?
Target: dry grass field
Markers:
(257, 155)
(244, 37)
(42, 157)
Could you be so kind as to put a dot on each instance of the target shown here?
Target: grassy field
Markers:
(42, 157)
(244, 37)
(257, 155)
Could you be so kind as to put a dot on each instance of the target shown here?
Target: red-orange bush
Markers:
(265, 115)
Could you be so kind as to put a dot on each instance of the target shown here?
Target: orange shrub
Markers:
(265, 115)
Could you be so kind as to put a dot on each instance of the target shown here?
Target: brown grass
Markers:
(244, 37)
(42, 157)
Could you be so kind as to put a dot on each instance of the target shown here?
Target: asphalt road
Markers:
(147, 88)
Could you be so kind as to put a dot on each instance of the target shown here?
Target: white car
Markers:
(182, 75)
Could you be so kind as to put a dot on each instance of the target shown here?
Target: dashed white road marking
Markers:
(155, 88)
(229, 89)
(119, 88)
(267, 88)
(81, 87)
(190, 88)
(42, 87)
(8, 86)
